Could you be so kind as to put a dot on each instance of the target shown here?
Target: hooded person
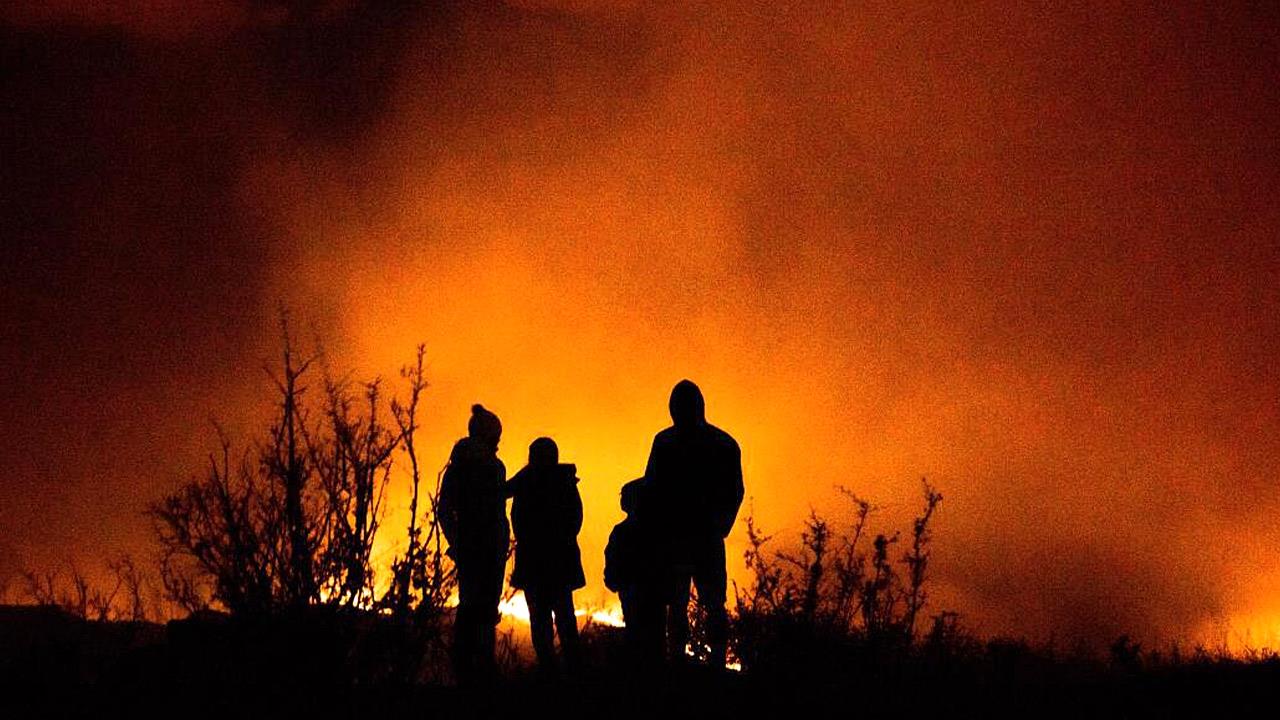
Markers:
(546, 515)
(633, 569)
(473, 517)
(693, 487)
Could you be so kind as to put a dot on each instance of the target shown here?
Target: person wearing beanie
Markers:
(484, 426)
(693, 485)
(546, 515)
(473, 517)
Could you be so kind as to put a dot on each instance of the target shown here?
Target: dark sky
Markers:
(1032, 253)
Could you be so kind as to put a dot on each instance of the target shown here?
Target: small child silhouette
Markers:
(632, 570)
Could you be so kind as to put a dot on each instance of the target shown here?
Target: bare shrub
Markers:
(185, 586)
(120, 598)
(917, 559)
(291, 581)
(353, 466)
(832, 588)
(133, 605)
(230, 526)
(291, 521)
(423, 579)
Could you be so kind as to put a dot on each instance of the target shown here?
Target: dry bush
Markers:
(423, 579)
(833, 589)
(353, 467)
(226, 530)
(290, 521)
(121, 598)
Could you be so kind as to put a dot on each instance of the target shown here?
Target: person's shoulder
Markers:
(518, 481)
(618, 534)
(624, 529)
(460, 449)
(665, 435)
(568, 473)
(722, 437)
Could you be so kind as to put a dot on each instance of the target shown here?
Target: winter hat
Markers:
(484, 425)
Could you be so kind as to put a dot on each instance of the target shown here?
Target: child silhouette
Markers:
(632, 570)
(546, 515)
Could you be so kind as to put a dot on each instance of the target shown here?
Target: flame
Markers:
(1245, 635)
(515, 608)
(611, 616)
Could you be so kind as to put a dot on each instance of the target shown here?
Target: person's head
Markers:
(630, 496)
(484, 426)
(543, 452)
(687, 406)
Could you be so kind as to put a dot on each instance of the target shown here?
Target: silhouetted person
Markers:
(633, 569)
(694, 480)
(473, 516)
(546, 515)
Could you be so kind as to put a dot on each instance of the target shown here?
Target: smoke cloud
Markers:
(1029, 253)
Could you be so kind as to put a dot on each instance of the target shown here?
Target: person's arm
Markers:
(613, 569)
(518, 519)
(654, 468)
(575, 509)
(651, 468)
(512, 487)
(447, 507)
(504, 527)
(735, 490)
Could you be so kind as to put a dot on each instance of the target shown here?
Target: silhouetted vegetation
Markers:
(836, 589)
(282, 529)
(422, 578)
(266, 556)
(123, 597)
(290, 521)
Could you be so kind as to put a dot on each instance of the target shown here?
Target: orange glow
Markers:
(855, 261)
(1026, 251)
(515, 608)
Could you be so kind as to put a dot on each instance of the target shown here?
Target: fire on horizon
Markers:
(1030, 253)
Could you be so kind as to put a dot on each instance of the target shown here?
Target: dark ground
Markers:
(56, 665)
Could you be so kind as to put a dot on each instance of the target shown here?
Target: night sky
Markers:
(1031, 253)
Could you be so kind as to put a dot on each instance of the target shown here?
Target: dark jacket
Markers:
(631, 565)
(473, 509)
(546, 514)
(694, 478)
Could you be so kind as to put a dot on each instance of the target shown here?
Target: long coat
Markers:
(546, 515)
(473, 508)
